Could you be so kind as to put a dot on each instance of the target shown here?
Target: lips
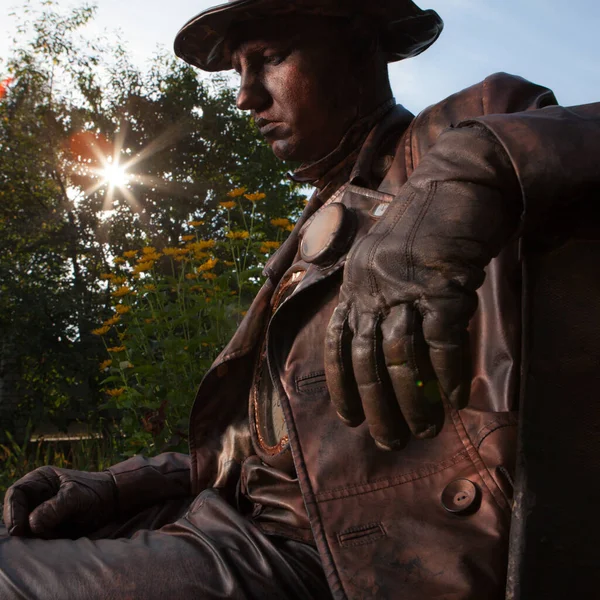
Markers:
(265, 126)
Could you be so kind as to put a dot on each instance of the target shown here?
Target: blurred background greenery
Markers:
(137, 209)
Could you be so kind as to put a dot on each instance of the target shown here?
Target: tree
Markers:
(73, 110)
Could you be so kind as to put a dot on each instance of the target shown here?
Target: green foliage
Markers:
(174, 309)
(18, 459)
(73, 107)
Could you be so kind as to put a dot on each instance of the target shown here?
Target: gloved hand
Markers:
(43, 501)
(408, 290)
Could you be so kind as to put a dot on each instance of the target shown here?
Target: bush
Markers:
(174, 309)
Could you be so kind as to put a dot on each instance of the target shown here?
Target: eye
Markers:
(274, 58)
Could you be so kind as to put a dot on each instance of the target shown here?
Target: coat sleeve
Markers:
(555, 153)
(144, 481)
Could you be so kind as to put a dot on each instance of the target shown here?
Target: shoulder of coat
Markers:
(499, 93)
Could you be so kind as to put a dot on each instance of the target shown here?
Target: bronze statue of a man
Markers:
(356, 437)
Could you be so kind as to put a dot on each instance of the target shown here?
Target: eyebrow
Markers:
(255, 48)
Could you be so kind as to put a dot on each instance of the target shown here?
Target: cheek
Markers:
(295, 93)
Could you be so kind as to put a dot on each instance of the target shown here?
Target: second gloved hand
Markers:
(48, 498)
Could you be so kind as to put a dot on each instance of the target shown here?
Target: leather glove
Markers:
(408, 290)
(46, 500)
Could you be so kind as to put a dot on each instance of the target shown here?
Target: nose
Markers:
(252, 94)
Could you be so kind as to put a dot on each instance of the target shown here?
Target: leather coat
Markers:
(431, 520)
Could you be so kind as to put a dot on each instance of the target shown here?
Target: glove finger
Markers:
(25, 495)
(16, 511)
(411, 374)
(382, 412)
(445, 324)
(339, 372)
(49, 515)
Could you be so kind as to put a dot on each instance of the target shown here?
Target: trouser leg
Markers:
(211, 552)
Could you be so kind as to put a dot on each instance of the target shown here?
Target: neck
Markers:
(331, 171)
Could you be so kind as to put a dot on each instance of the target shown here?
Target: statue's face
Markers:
(296, 79)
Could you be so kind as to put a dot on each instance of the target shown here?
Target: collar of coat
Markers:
(356, 165)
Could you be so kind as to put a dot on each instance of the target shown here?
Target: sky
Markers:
(551, 42)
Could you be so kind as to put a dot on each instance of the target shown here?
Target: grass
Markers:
(82, 455)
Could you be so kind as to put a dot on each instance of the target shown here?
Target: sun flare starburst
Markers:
(115, 175)
(97, 167)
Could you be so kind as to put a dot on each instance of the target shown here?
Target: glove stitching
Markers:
(376, 323)
(340, 345)
(413, 353)
(414, 230)
(411, 267)
(50, 480)
(380, 239)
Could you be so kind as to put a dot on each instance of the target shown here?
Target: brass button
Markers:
(461, 497)
(328, 235)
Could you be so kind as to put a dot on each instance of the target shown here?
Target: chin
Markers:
(284, 150)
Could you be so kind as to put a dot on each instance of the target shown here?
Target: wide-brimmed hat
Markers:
(405, 30)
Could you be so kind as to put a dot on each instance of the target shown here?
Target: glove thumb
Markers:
(52, 513)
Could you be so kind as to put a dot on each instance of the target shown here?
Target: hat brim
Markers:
(407, 29)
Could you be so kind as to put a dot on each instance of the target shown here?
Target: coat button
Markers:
(461, 497)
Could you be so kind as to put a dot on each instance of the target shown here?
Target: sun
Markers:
(115, 175)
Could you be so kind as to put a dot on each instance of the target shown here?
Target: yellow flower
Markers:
(208, 265)
(196, 288)
(203, 244)
(122, 291)
(105, 364)
(209, 276)
(228, 205)
(119, 261)
(282, 223)
(180, 258)
(149, 256)
(122, 309)
(107, 276)
(237, 192)
(191, 276)
(188, 238)
(119, 280)
(101, 330)
(269, 246)
(255, 197)
(112, 321)
(175, 251)
(149, 320)
(116, 349)
(201, 255)
(228, 263)
(143, 266)
(149, 250)
(195, 223)
(130, 253)
(272, 245)
(238, 235)
(150, 287)
(290, 227)
(116, 392)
